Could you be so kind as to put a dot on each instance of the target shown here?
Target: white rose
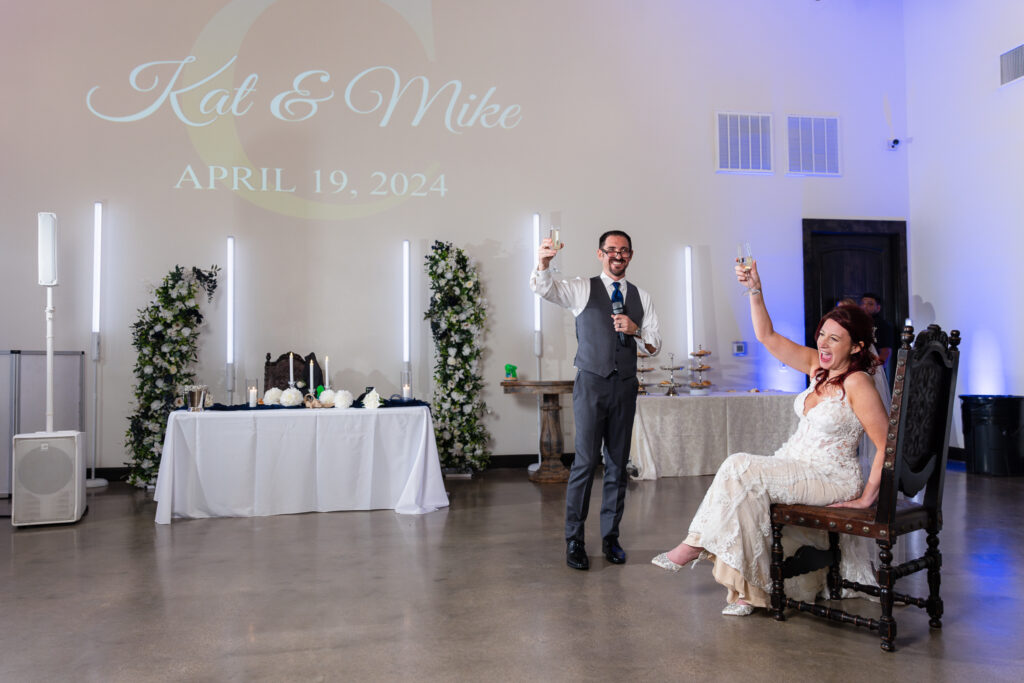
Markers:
(372, 400)
(343, 399)
(326, 398)
(291, 397)
(272, 396)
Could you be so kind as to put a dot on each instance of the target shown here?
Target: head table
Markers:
(275, 462)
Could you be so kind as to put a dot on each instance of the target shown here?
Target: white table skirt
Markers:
(679, 436)
(275, 462)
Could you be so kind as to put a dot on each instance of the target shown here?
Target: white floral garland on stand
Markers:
(166, 336)
(457, 315)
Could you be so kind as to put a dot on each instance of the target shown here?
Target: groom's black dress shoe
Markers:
(576, 555)
(613, 552)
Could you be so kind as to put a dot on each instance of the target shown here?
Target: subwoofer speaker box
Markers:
(48, 478)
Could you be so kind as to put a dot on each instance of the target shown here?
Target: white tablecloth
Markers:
(274, 462)
(679, 436)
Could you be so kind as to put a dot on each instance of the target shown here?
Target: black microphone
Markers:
(617, 310)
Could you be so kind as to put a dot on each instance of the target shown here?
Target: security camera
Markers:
(894, 143)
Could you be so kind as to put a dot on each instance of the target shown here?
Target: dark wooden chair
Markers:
(916, 447)
(275, 373)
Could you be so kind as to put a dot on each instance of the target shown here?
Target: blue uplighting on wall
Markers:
(983, 359)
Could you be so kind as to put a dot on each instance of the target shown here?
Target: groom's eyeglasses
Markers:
(618, 252)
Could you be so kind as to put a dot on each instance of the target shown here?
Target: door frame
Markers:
(899, 307)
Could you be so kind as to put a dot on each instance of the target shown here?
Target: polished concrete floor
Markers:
(477, 592)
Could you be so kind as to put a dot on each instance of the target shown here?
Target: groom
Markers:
(613, 317)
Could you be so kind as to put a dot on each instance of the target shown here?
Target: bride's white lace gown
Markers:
(817, 466)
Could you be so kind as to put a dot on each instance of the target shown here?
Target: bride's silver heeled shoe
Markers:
(735, 609)
(667, 564)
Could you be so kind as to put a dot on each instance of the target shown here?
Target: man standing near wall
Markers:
(871, 303)
(612, 317)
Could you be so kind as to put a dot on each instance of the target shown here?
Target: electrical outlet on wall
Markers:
(739, 348)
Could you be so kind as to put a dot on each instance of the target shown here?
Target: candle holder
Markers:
(406, 380)
(252, 392)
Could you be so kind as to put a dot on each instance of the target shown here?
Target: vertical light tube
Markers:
(229, 354)
(406, 295)
(406, 377)
(537, 339)
(689, 299)
(97, 253)
(97, 257)
(538, 343)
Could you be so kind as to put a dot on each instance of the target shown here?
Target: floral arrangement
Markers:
(291, 397)
(457, 315)
(343, 399)
(372, 400)
(166, 336)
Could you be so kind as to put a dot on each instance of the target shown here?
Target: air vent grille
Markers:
(744, 143)
(813, 145)
(1011, 65)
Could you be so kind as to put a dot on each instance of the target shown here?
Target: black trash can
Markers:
(993, 442)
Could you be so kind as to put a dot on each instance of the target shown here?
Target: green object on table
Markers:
(319, 390)
(510, 371)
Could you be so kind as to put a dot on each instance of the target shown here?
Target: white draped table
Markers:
(679, 436)
(276, 462)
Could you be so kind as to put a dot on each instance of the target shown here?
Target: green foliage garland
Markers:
(457, 315)
(166, 335)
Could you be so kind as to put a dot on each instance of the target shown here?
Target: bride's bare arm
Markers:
(867, 406)
(796, 356)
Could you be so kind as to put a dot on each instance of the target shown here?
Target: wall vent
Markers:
(744, 143)
(813, 145)
(1011, 65)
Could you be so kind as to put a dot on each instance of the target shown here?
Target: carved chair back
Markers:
(276, 373)
(917, 442)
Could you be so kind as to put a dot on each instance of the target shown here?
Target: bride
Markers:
(817, 466)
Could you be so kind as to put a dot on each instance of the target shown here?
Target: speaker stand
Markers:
(95, 482)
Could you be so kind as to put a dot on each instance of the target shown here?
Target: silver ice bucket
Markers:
(195, 399)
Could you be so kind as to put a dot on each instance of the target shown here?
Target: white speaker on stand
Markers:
(48, 468)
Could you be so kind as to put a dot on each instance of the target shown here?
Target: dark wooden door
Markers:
(845, 258)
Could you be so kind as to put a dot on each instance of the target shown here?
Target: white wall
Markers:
(616, 129)
(966, 175)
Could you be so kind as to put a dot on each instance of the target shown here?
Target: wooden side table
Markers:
(551, 470)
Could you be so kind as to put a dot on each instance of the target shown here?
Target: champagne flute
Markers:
(555, 235)
(745, 257)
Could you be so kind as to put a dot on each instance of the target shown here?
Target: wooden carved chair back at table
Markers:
(916, 448)
(276, 373)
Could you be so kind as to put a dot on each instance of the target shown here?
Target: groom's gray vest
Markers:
(599, 350)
